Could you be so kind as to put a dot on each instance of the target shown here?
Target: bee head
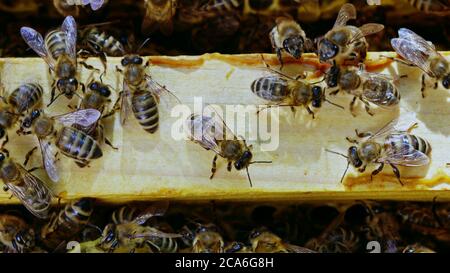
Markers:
(109, 236)
(24, 239)
(28, 121)
(327, 50)
(353, 157)
(446, 81)
(68, 86)
(294, 45)
(133, 59)
(244, 160)
(317, 96)
(100, 89)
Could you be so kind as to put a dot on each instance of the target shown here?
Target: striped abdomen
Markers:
(381, 92)
(145, 109)
(417, 143)
(107, 44)
(271, 88)
(76, 214)
(429, 5)
(163, 244)
(55, 42)
(25, 97)
(124, 215)
(76, 144)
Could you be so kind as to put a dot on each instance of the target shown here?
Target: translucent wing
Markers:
(405, 155)
(95, 4)
(407, 34)
(414, 53)
(398, 125)
(298, 249)
(162, 93)
(36, 42)
(346, 13)
(152, 232)
(379, 89)
(157, 209)
(204, 131)
(33, 193)
(49, 160)
(125, 104)
(84, 117)
(69, 26)
(365, 30)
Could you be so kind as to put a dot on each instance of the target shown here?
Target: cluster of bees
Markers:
(79, 134)
(361, 227)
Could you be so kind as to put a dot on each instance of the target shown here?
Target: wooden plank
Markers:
(157, 167)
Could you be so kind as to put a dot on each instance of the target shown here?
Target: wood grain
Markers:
(148, 167)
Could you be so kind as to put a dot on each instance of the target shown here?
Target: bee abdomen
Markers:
(419, 144)
(25, 96)
(270, 88)
(124, 214)
(110, 45)
(164, 245)
(145, 109)
(76, 144)
(55, 43)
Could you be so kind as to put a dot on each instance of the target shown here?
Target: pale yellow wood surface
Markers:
(157, 167)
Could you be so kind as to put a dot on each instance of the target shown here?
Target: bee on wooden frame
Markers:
(211, 133)
(16, 234)
(58, 49)
(392, 145)
(69, 141)
(416, 51)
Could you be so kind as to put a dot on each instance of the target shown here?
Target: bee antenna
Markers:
(337, 105)
(143, 44)
(249, 179)
(345, 172)
(95, 227)
(337, 153)
(261, 161)
(323, 79)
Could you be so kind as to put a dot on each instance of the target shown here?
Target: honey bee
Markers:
(71, 7)
(376, 88)
(418, 52)
(124, 214)
(66, 223)
(284, 90)
(134, 235)
(237, 247)
(436, 7)
(288, 36)
(15, 234)
(72, 142)
(346, 44)
(212, 133)
(264, 241)
(393, 144)
(30, 190)
(417, 248)
(97, 97)
(207, 239)
(159, 15)
(140, 93)
(59, 51)
(23, 98)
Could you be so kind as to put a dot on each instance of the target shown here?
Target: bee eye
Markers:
(2, 132)
(125, 61)
(446, 82)
(255, 234)
(35, 114)
(104, 91)
(93, 86)
(137, 60)
(2, 157)
(73, 81)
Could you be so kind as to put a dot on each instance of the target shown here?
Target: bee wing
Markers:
(125, 104)
(152, 232)
(413, 52)
(367, 29)
(407, 34)
(83, 117)
(35, 40)
(372, 95)
(298, 249)
(398, 125)
(69, 26)
(203, 130)
(95, 4)
(49, 160)
(33, 193)
(346, 13)
(406, 155)
(162, 93)
(157, 209)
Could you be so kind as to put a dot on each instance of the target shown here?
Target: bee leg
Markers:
(366, 106)
(229, 166)
(118, 69)
(28, 155)
(377, 171)
(310, 112)
(362, 134)
(5, 151)
(5, 141)
(82, 163)
(412, 127)
(423, 86)
(87, 66)
(351, 140)
(107, 142)
(280, 58)
(334, 93)
(33, 169)
(52, 95)
(396, 172)
(214, 167)
(102, 57)
(352, 107)
(362, 169)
